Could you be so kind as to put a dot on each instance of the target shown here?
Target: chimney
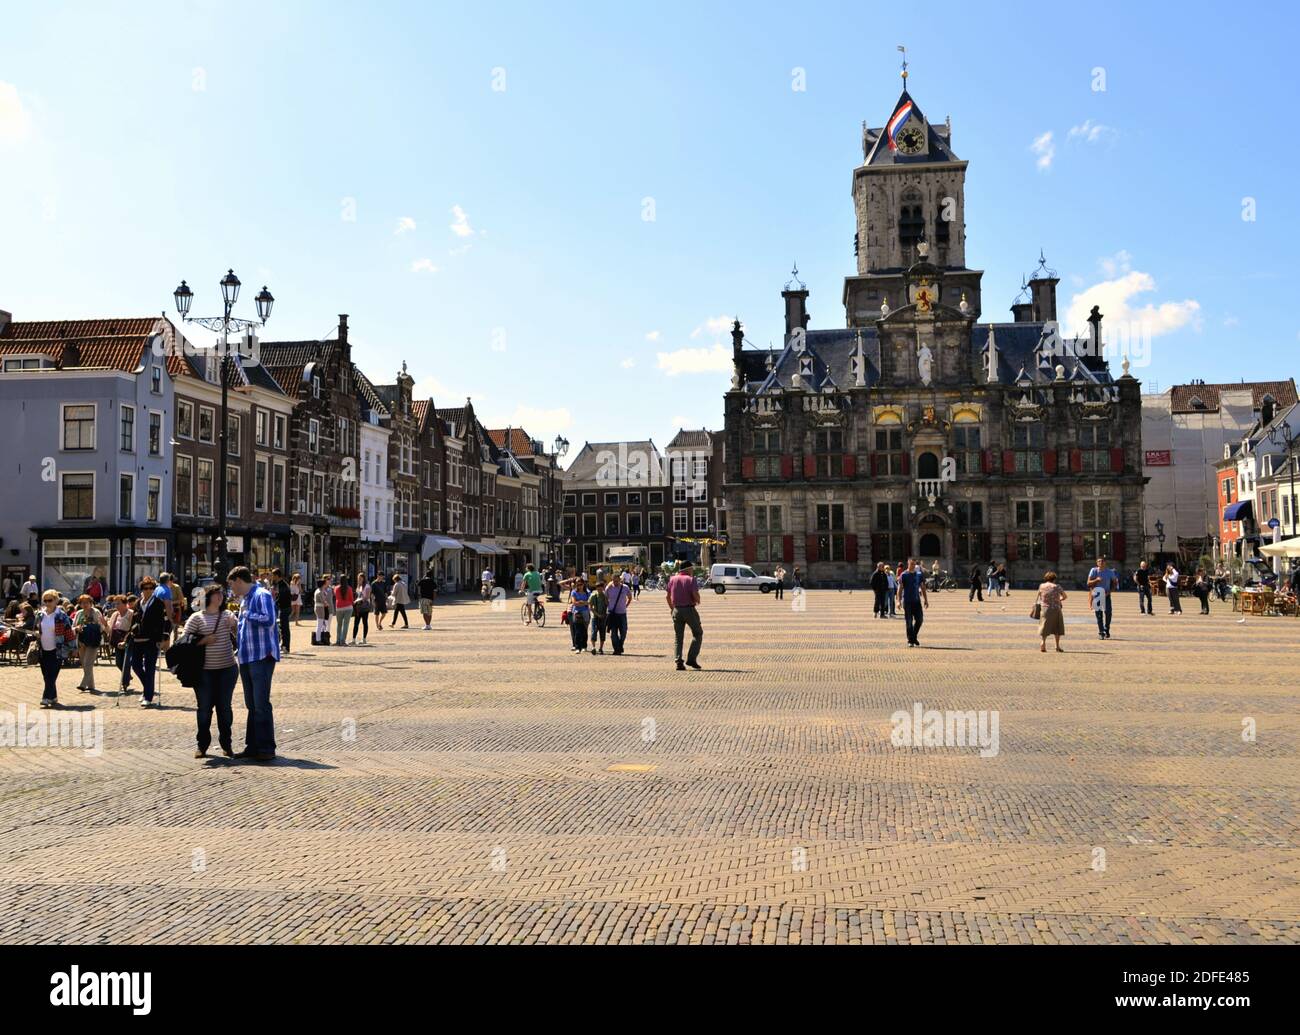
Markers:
(1023, 312)
(5, 318)
(796, 310)
(343, 328)
(71, 356)
(1044, 297)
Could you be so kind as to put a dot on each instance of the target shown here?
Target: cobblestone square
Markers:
(481, 784)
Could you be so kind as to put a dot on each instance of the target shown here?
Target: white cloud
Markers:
(1045, 148)
(15, 121)
(1115, 298)
(404, 225)
(695, 361)
(714, 325)
(628, 363)
(1093, 132)
(460, 224)
(423, 266)
(1114, 265)
(542, 424)
(652, 336)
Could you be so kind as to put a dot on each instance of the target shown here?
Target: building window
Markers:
(1095, 526)
(588, 499)
(679, 493)
(1094, 441)
(767, 533)
(911, 222)
(569, 526)
(280, 426)
(155, 433)
(656, 523)
(830, 531)
(680, 520)
(611, 499)
(611, 524)
(204, 500)
(259, 484)
(259, 426)
(891, 529)
(828, 448)
(153, 499)
(634, 499)
(589, 526)
(184, 419)
(313, 435)
(127, 421)
(232, 491)
(700, 519)
(232, 434)
(966, 448)
(1027, 441)
(77, 497)
(889, 451)
(277, 487)
(315, 386)
(125, 497)
(207, 423)
(767, 449)
(634, 524)
(655, 499)
(184, 485)
(1031, 535)
(155, 380)
(79, 426)
(969, 538)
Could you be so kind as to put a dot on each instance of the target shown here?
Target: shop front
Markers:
(118, 558)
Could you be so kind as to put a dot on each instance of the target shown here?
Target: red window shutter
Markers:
(1049, 461)
(1076, 547)
(751, 549)
(810, 549)
(810, 467)
(1117, 545)
(1008, 461)
(1053, 546)
(907, 463)
(1012, 553)
(1117, 460)
(746, 468)
(1076, 461)
(986, 461)
(787, 549)
(851, 549)
(787, 466)
(850, 465)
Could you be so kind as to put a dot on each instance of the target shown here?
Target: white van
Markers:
(723, 577)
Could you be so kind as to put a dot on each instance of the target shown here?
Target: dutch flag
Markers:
(897, 122)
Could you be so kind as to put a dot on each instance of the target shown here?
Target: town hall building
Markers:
(915, 430)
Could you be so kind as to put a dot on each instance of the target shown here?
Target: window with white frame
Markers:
(77, 496)
(78, 426)
(184, 419)
(126, 420)
(155, 433)
(680, 519)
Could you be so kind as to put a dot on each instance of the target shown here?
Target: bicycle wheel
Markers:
(523, 612)
(540, 617)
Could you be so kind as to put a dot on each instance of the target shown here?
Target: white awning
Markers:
(433, 543)
(1285, 548)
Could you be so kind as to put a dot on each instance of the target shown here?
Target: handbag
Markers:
(361, 607)
(1037, 613)
(91, 634)
(565, 617)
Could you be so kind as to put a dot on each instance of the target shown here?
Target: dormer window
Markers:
(315, 386)
(1198, 403)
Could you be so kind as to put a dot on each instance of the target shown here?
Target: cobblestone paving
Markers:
(480, 784)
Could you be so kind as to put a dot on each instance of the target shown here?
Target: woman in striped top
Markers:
(215, 628)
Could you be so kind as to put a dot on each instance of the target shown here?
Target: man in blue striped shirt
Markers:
(258, 651)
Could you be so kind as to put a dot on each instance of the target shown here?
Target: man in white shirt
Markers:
(486, 577)
(30, 589)
(1171, 590)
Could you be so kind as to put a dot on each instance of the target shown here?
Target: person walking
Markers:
(599, 609)
(1172, 579)
(1142, 579)
(880, 587)
(892, 576)
(258, 652)
(323, 605)
(148, 630)
(797, 579)
(91, 631)
(636, 593)
(119, 626)
(168, 594)
(295, 597)
(911, 591)
(344, 600)
(976, 588)
(1201, 590)
(215, 629)
(361, 609)
(1051, 599)
(379, 590)
(55, 634)
(399, 596)
(992, 577)
(683, 598)
(779, 575)
(579, 613)
(428, 594)
(617, 596)
(1003, 580)
(1099, 575)
(283, 605)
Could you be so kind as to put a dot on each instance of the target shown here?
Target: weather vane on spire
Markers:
(903, 50)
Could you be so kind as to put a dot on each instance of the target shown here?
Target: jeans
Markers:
(144, 662)
(341, 618)
(50, 665)
(780, 590)
(1171, 594)
(578, 630)
(215, 691)
(993, 587)
(914, 616)
(1144, 593)
(617, 630)
(1106, 630)
(1101, 623)
(284, 629)
(684, 617)
(256, 677)
(597, 629)
(893, 602)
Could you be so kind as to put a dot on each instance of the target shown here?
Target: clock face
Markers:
(911, 140)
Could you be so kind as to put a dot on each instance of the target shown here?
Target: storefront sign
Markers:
(1157, 458)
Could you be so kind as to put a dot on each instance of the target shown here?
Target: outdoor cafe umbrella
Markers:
(1285, 548)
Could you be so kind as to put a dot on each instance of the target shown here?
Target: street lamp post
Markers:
(1287, 440)
(1160, 538)
(223, 325)
(558, 449)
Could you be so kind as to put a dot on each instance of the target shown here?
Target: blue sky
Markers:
(371, 163)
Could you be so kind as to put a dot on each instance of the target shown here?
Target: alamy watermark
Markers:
(934, 728)
(53, 729)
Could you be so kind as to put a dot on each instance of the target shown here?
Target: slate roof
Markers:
(587, 465)
(369, 395)
(1181, 396)
(113, 344)
(691, 439)
(286, 360)
(939, 148)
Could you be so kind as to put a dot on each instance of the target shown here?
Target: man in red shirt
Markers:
(683, 598)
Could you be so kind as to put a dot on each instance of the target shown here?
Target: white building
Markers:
(376, 495)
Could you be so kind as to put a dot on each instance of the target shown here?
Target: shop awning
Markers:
(434, 543)
(1239, 511)
(482, 548)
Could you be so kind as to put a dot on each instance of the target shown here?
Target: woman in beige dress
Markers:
(1051, 597)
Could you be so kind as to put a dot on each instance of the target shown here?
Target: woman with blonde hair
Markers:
(91, 629)
(1051, 619)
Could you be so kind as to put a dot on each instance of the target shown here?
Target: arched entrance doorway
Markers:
(930, 546)
(927, 466)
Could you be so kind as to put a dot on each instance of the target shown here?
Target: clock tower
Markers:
(909, 189)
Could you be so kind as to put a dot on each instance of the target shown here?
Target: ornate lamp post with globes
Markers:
(223, 325)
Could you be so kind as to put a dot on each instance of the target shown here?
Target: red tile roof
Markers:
(1181, 396)
(521, 443)
(117, 344)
